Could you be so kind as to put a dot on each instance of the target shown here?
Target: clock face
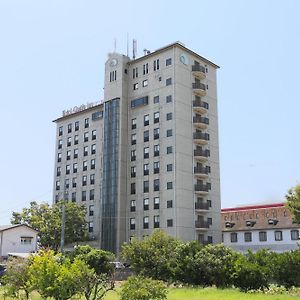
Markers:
(113, 62)
(184, 59)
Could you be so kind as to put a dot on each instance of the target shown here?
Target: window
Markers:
(132, 223)
(169, 116)
(86, 123)
(91, 210)
(168, 81)
(75, 139)
(156, 221)
(58, 171)
(133, 139)
(145, 69)
(294, 234)
(92, 194)
(135, 86)
(139, 102)
(97, 115)
(68, 154)
(69, 141)
(93, 149)
(146, 222)
(133, 123)
(248, 236)
(91, 226)
(68, 168)
(156, 133)
(85, 150)
(75, 168)
(168, 62)
(132, 188)
(146, 186)
(156, 117)
(132, 205)
(146, 169)
(156, 203)
(146, 204)
(170, 223)
(26, 240)
(169, 149)
(93, 164)
(209, 221)
(145, 82)
(169, 167)
(135, 72)
(169, 132)
(156, 65)
(169, 98)
(59, 144)
(169, 203)
(133, 155)
(208, 203)
(57, 185)
(75, 153)
(146, 136)
(146, 152)
(156, 167)
(74, 183)
(86, 137)
(156, 150)
(278, 235)
(169, 185)
(146, 120)
(70, 128)
(66, 196)
(94, 134)
(67, 183)
(84, 165)
(262, 236)
(73, 197)
(92, 179)
(76, 125)
(133, 171)
(60, 131)
(84, 180)
(83, 196)
(156, 99)
(156, 185)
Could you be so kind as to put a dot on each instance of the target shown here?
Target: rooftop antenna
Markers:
(134, 48)
(127, 45)
(115, 45)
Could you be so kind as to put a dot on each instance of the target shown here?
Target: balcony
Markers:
(201, 189)
(201, 206)
(200, 106)
(201, 138)
(199, 88)
(201, 225)
(201, 155)
(200, 122)
(198, 71)
(201, 172)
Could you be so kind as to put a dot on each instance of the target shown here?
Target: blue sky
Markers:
(52, 56)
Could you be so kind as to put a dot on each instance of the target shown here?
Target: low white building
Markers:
(260, 226)
(17, 239)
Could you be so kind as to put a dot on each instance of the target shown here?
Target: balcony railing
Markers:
(201, 136)
(198, 103)
(198, 68)
(199, 86)
(201, 188)
(201, 205)
(202, 120)
(199, 152)
(201, 224)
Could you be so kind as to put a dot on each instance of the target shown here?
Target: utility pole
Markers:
(63, 221)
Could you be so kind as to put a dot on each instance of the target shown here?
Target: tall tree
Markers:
(47, 220)
(293, 202)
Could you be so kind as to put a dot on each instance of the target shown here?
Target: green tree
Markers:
(293, 202)
(16, 279)
(142, 288)
(155, 256)
(47, 220)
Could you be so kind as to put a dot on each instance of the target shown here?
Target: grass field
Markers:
(198, 294)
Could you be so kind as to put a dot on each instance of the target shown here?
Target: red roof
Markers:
(249, 207)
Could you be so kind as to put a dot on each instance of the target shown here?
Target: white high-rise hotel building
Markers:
(148, 156)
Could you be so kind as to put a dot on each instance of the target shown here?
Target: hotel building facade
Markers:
(147, 157)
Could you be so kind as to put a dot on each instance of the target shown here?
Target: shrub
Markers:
(142, 288)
